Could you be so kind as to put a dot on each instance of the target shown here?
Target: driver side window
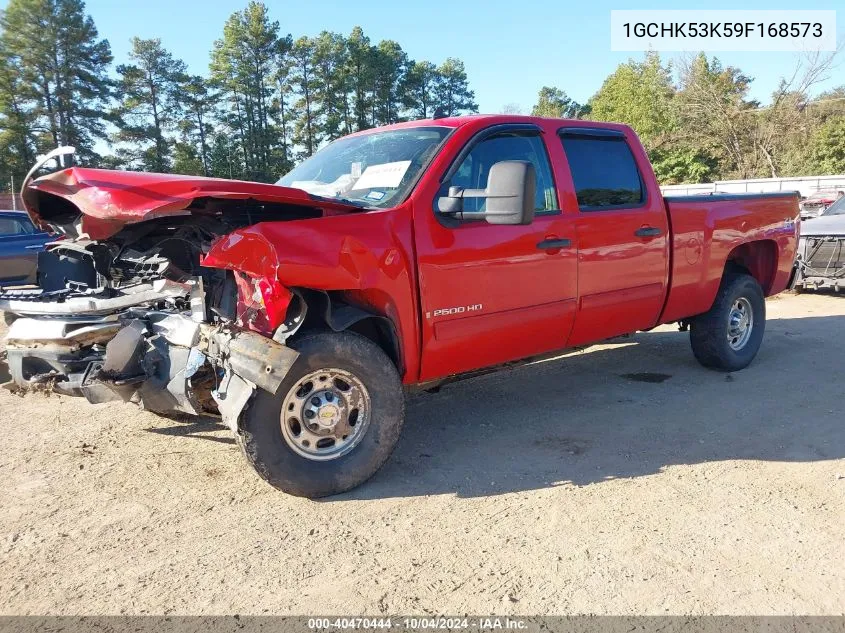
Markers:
(473, 171)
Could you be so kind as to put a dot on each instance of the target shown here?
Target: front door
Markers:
(493, 293)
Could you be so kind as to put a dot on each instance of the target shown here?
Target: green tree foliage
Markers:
(283, 105)
(555, 104)
(643, 95)
(716, 115)
(17, 123)
(360, 71)
(61, 66)
(150, 106)
(827, 149)
(187, 160)
(639, 94)
(224, 159)
(197, 101)
(242, 67)
(329, 88)
(419, 89)
(271, 99)
(268, 100)
(307, 133)
(390, 65)
(451, 89)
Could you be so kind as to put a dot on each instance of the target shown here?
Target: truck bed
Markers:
(707, 230)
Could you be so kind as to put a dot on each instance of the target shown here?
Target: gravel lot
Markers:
(568, 486)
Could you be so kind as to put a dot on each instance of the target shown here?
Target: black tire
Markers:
(276, 462)
(709, 331)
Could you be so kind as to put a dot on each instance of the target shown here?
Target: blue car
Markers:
(20, 243)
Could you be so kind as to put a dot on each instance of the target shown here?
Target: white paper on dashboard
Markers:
(317, 188)
(382, 176)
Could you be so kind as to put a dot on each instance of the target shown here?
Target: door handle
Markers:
(647, 231)
(550, 244)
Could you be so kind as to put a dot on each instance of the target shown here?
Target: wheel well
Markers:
(382, 334)
(758, 259)
(328, 311)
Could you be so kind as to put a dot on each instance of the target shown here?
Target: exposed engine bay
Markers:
(136, 317)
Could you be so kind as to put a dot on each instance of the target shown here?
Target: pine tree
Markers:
(198, 102)
(360, 76)
(17, 138)
(223, 158)
(330, 89)
(151, 89)
(452, 90)
(306, 129)
(390, 65)
(63, 67)
(242, 66)
(283, 105)
(554, 103)
(418, 89)
(186, 160)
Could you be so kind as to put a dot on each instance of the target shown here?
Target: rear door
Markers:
(623, 236)
(495, 293)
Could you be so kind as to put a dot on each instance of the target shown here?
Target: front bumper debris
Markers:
(36, 302)
(114, 349)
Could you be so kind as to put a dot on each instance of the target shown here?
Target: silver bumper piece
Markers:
(32, 303)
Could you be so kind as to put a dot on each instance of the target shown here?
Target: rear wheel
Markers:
(728, 336)
(334, 420)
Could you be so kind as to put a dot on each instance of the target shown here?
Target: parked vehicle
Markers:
(405, 256)
(20, 243)
(813, 206)
(821, 250)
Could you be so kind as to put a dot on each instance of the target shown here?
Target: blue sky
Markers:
(510, 48)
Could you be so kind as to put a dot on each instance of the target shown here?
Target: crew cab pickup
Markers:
(395, 258)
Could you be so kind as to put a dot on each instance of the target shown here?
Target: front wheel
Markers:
(334, 420)
(728, 336)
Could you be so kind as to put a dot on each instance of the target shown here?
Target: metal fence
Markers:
(805, 185)
(10, 201)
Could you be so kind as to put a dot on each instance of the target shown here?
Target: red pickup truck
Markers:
(400, 257)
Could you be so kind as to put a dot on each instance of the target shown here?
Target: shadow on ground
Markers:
(194, 428)
(603, 414)
(624, 412)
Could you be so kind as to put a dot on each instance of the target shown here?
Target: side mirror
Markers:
(510, 191)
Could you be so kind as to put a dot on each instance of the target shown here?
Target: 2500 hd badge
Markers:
(476, 307)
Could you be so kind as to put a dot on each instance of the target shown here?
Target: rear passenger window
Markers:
(604, 172)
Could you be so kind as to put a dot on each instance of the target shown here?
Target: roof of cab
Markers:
(492, 119)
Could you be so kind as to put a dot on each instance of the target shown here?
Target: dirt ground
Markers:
(576, 485)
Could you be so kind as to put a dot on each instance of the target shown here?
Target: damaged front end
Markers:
(820, 262)
(155, 343)
(135, 315)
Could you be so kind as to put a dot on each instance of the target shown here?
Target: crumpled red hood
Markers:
(108, 200)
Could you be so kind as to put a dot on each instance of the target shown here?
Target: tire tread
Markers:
(707, 334)
(273, 464)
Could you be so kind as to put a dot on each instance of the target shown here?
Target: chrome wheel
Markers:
(325, 414)
(740, 323)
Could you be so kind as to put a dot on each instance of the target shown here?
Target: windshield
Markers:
(837, 208)
(374, 170)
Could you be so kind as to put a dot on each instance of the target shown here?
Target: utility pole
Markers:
(14, 195)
